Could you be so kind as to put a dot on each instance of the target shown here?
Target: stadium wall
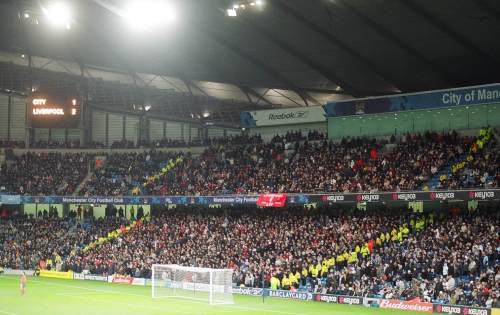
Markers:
(12, 117)
(108, 127)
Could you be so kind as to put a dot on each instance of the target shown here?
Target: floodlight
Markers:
(148, 14)
(231, 12)
(58, 14)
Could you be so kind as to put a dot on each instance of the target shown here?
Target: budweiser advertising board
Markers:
(406, 305)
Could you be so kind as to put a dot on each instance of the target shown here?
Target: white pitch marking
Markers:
(142, 295)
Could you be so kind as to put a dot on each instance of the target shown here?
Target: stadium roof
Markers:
(289, 52)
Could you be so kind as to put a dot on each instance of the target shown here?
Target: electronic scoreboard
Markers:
(54, 111)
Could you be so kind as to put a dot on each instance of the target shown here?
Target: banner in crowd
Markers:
(56, 274)
(475, 95)
(451, 195)
(272, 200)
(274, 117)
(462, 310)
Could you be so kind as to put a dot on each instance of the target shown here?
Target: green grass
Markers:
(57, 297)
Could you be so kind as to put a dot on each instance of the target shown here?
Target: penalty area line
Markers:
(89, 289)
(141, 306)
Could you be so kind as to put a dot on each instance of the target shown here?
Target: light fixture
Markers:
(147, 107)
(206, 114)
(243, 5)
(58, 14)
(26, 15)
(149, 14)
(23, 56)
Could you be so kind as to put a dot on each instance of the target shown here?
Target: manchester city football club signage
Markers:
(475, 95)
(324, 198)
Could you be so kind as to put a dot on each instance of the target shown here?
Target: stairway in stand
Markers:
(433, 182)
(84, 181)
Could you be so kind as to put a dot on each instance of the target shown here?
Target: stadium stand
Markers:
(28, 243)
(448, 256)
(354, 165)
(43, 173)
(244, 164)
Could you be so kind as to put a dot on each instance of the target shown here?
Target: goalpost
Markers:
(203, 284)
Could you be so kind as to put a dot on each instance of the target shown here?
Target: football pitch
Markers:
(57, 297)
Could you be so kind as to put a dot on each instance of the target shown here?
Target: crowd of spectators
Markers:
(480, 169)
(352, 165)
(213, 141)
(43, 173)
(125, 171)
(54, 144)
(445, 257)
(41, 144)
(11, 144)
(245, 164)
(295, 136)
(28, 243)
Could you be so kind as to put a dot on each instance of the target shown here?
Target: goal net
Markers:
(204, 284)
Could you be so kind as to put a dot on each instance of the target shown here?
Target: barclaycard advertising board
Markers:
(273, 117)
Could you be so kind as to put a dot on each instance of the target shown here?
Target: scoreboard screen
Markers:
(54, 111)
